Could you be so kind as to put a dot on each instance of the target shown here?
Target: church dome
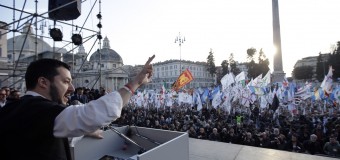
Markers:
(29, 45)
(107, 54)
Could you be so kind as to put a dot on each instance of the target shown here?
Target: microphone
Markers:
(142, 149)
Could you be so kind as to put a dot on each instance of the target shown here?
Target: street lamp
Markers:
(179, 39)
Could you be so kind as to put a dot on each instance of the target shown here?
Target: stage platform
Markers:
(210, 150)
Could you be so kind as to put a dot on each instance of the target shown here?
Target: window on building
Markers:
(175, 66)
(162, 68)
(166, 68)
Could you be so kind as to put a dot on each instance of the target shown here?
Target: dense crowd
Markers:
(306, 132)
(315, 134)
(312, 132)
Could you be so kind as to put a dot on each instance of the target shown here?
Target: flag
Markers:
(285, 82)
(182, 80)
(336, 94)
(326, 84)
(162, 95)
(214, 92)
(257, 90)
(226, 105)
(240, 77)
(265, 80)
(227, 80)
(197, 99)
(257, 81)
(264, 102)
(204, 96)
(217, 99)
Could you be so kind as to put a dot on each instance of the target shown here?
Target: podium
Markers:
(157, 144)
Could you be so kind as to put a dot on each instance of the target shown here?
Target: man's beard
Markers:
(54, 93)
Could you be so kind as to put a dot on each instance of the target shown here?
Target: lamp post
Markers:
(179, 39)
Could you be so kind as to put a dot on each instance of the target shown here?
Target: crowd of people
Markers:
(8, 95)
(312, 132)
(316, 134)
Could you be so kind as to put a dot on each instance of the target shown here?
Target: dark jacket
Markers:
(26, 130)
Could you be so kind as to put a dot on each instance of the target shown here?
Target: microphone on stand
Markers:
(147, 138)
(142, 149)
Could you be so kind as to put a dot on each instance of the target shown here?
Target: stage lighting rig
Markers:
(56, 34)
(99, 25)
(99, 16)
(99, 36)
(77, 39)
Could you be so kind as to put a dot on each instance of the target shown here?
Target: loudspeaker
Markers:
(68, 12)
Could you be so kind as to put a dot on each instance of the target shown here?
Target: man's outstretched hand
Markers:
(144, 76)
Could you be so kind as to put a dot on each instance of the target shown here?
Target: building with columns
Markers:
(167, 73)
(104, 68)
(3, 42)
(312, 62)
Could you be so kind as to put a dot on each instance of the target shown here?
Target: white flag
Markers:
(266, 80)
(227, 80)
(263, 102)
(241, 76)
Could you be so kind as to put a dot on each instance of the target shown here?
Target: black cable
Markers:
(147, 138)
(142, 149)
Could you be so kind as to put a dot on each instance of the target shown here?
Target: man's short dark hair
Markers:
(42, 68)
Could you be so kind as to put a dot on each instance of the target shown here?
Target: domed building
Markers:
(23, 49)
(104, 69)
(27, 46)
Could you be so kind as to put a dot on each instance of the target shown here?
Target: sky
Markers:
(137, 29)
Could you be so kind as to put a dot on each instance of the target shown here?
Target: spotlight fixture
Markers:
(99, 16)
(77, 39)
(56, 34)
(99, 25)
(99, 37)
